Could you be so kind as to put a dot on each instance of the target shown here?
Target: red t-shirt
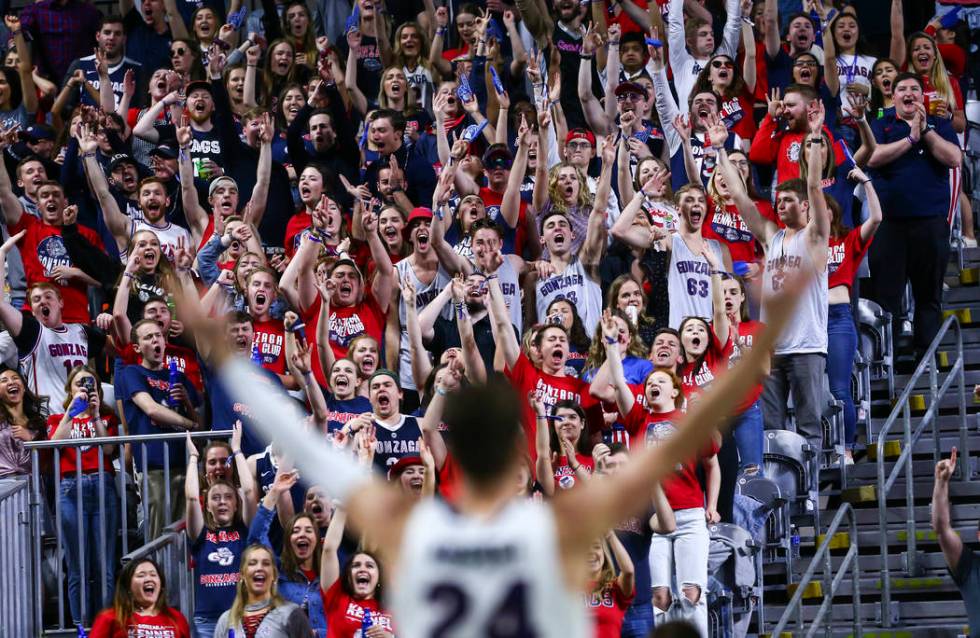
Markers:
(270, 339)
(42, 250)
(783, 149)
(565, 478)
(744, 334)
(83, 427)
(294, 231)
(185, 357)
(170, 624)
(736, 113)
(344, 613)
(623, 19)
(311, 319)
(452, 54)
(608, 608)
(365, 317)
(682, 490)
(714, 363)
(492, 200)
(527, 379)
(725, 224)
(843, 257)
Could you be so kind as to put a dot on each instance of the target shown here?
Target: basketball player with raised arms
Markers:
(492, 564)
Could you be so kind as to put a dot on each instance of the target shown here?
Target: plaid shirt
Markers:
(61, 31)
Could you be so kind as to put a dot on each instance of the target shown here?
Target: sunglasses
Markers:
(722, 64)
(178, 51)
(814, 142)
(629, 97)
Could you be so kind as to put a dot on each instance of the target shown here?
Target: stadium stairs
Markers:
(925, 603)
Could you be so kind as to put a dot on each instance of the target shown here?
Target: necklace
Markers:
(259, 606)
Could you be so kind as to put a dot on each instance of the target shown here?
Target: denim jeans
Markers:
(748, 433)
(204, 626)
(100, 561)
(841, 345)
(638, 620)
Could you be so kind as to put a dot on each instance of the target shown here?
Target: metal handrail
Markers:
(850, 561)
(170, 551)
(909, 439)
(127, 438)
(16, 607)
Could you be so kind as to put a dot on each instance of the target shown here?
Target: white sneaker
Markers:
(969, 242)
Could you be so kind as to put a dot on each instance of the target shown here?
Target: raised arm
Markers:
(323, 349)
(197, 217)
(731, 34)
(627, 572)
(263, 173)
(770, 15)
(587, 512)
(25, 66)
(419, 358)
(430, 421)
(720, 324)
(761, 227)
(385, 278)
(544, 470)
(539, 196)
(748, 42)
(193, 513)
(818, 228)
(121, 326)
(949, 541)
(830, 77)
(870, 225)
(506, 339)
(329, 563)
(594, 244)
(896, 49)
(625, 399)
(246, 479)
(625, 228)
(12, 208)
(145, 128)
(178, 28)
(10, 317)
(117, 223)
(476, 370)
(510, 206)
(595, 116)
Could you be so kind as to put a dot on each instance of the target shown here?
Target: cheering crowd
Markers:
(382, 203)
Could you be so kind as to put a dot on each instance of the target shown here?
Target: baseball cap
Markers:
(346, 261)
(164, 150)
(119, 158)
(631, 87)
(217, 182)
(580, 134)
(403, 464)
(198, 84)
(37, 132)
(417, 213)
(384, 372)
(497, 156)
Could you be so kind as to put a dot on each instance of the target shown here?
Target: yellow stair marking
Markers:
(813, 590)
(920, 535)
(917, 402)
(862, 494)
(969, 276)
(840, 540)
(943, 358)
(893, 449)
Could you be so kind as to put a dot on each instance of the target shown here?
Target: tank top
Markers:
(575, 285)
(806, 332)
(689, 282)
(469, 578)
(55, 353)
(510, 287)
(424, 295)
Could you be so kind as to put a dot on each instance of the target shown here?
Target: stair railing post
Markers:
(856, 575)
(966, 474)
(910, 543)
(886, 590)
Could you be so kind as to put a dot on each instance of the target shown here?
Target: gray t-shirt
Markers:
(285, 621)
(967, 578)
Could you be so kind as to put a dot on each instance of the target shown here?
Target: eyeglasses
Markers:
(579, 146)
(722, 64)
(629, 97)
(814, 142)
(178, 51)
(805, 63)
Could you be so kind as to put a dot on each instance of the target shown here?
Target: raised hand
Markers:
(656, 53)
(946, 467)
(129, 83)
(236, 436)
(408, 291)
(857, 175)
(815, 115)
(11, 242)
(183, 132)
(774, 104)
(682, 124)
(608, 152)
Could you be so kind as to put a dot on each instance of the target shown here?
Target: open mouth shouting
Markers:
(695, 215)
(362, 579)
(390, 235)
(696, 342)
(560, 240)
(303, 547)
(806, 74)
(368, 363)
(422, 240)
(149, 590)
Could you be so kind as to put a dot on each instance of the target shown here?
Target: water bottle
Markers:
(174, 380)
(366, 622)
(794, 542)
(81, 631)
(256, 357)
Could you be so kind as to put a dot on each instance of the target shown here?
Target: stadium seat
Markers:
(875, 336)
(735, 580)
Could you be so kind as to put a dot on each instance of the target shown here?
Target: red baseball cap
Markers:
(580, 134)
(403, 464)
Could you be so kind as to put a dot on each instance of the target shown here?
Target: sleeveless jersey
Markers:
(575, 285)
(689, 282)
(54, 354)
(470, 578)
(169, 235)
(395, 441)
(806, 332)
(424, 295)
(510, 286)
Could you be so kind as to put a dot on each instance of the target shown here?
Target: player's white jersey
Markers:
(464, 577)
(689, 282)
(575, 285)
(55, 353)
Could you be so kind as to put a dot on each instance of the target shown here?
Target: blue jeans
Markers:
(842, 343)
(100, 562)
(748, 432)
(204, 626)
(638, 620)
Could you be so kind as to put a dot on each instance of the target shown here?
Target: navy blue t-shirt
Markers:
(117, 74)
(915, 184)
(634, 533)
(394, 443)
(340, 412)
(225, 410)
(217, 556)
(135, 379)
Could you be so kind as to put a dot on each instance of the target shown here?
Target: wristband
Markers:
(129, 274)
(611, 340)
(236, 452)
(585, 56)
(910, 140)
(867, 181)
(196, 456)
(440, 391)
(576, 468)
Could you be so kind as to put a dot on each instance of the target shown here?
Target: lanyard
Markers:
(851, 71)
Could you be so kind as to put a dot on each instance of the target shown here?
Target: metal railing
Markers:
(909, 438)
(169, 550)
(107, 492)
(16, 609)
(831, 582)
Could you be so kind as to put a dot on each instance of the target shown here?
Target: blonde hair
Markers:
(937, 74)
(237, 610)
(557, 203)
(607, 573)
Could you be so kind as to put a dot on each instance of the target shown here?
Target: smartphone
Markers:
(88, 383)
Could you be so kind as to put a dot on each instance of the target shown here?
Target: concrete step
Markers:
(865, 495)
(951, 612)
